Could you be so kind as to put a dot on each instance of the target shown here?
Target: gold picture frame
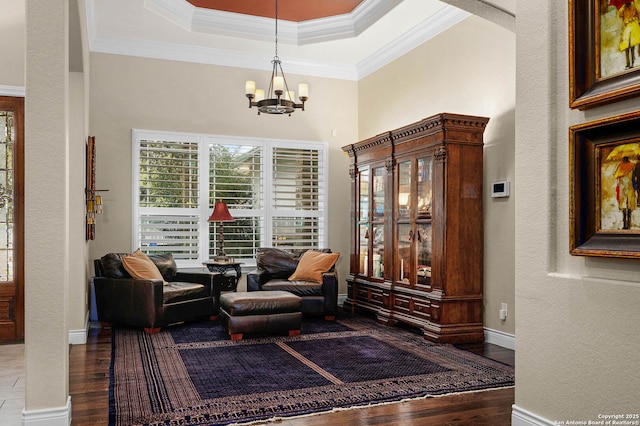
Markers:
(604, 62)
(604, 215)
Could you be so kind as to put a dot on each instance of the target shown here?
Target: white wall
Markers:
(451, 73)
(577, 319)
(152, 94)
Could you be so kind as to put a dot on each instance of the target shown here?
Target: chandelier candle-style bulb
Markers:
(259, 95)
(250, 88)
(303, 91)
(291, 95)
(278, 85)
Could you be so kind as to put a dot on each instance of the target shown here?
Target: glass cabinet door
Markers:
(376, 229)
(403, 224)
(423, 220)
(413, 221)
(363, 224)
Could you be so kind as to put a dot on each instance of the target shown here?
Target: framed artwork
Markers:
(90, 187)
(604, 212)
(604, 51)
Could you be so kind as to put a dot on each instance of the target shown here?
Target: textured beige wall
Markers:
(452, 73)
(46, 205)
(577, 321)
(135, 93)
(78, 287)
(12, 48)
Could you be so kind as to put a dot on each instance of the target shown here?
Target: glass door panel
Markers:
(423, 237)
(377, 251)
(364, 249)
(379, 175)
(425, 185)
(404, 190)
(363, 223)
(364, 196)
(404, 253)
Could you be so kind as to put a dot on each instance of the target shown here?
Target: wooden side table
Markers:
(230, 282)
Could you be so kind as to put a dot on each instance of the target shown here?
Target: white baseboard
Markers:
(500, 338)
(79, 337)
(60, 416)
(341, 299)
(495, 337)
(522, 417)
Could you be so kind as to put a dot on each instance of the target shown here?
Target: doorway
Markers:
(11, 219)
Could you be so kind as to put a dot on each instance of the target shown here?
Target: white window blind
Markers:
(275, 190)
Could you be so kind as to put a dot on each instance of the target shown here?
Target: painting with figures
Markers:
(619, 36)
(620, 186)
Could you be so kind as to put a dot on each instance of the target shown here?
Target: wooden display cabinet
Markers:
(416, 227)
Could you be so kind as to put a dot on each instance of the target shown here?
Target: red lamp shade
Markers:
(220, 213)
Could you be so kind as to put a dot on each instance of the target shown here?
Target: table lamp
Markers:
(220, 214)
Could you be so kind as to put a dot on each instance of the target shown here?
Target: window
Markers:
(275, 190)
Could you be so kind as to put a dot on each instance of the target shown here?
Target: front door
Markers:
(11, 219)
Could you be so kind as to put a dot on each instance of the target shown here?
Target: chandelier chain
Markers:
(276, 30)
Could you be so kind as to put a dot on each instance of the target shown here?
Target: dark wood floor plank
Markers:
(89, 389)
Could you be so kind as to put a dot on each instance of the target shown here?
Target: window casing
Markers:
(275, 190)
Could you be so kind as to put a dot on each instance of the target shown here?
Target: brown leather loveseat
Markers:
(278, 270)
(153, 303)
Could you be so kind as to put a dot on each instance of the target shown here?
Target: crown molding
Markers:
(15, 91)
(442, 20)
(214, 56)
(217, 22)
(434, 25)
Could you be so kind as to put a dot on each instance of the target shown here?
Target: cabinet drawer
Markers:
(369, 295)
(413, 306)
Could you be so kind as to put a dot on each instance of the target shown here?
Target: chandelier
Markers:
(279, 99)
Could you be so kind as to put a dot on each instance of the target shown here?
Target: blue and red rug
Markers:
(194, 375)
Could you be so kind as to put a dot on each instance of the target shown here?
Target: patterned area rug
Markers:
(194, 375)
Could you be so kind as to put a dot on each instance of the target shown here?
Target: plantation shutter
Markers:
(237, 178)
(275, 190)
(297, 198)
(169, 184)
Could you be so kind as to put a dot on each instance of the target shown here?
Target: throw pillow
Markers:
(140, 266)
(313, 264)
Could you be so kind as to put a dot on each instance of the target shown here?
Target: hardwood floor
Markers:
(89, 389)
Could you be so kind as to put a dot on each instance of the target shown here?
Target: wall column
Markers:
(47, 400)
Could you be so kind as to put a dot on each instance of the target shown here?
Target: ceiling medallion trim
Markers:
(210, 21)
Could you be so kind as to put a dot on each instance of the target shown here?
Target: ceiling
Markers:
(346, 39)
(289, 10)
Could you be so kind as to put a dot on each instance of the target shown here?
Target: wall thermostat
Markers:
(500, 189)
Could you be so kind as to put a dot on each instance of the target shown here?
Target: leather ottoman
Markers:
(260, 312)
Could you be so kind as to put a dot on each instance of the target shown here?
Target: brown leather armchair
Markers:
(152, 304)
(275, 266)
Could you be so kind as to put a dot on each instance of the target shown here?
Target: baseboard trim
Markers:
(500, 338)
(60, 416)
(341, 299)
(79, 337)
(522, 417)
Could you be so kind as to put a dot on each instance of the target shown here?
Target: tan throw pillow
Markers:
(138, 265)
(313, 264)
